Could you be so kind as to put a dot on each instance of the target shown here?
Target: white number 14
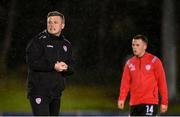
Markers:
(149, 108)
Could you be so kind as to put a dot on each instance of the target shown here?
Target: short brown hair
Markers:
(56, 13)
(142, 37)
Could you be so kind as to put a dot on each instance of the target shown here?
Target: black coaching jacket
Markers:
(42, 53)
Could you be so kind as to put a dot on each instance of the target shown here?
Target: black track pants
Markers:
(44, 105)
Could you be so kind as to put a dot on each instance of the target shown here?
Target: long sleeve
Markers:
(70, 62)
(36, 59)
(125, 83)
(160, 75)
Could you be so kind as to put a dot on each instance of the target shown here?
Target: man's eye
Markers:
(56, 22)
(49, 22)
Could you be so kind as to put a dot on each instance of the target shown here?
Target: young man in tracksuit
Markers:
(49, 60)
(144, 78)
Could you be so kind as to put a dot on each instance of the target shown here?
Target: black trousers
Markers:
(45, 106)
(144, 110)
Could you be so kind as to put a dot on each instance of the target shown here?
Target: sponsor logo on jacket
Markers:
(132, 67)
(50, 46)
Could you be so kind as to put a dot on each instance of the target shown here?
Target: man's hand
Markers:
(163, 108)
(60, 66)
(121, 104)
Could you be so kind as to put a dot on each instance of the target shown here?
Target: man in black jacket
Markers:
(49, 59)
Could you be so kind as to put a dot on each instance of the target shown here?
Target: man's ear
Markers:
(145, 46)
(62, 26)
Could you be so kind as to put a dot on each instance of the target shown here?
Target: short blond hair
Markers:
(56, 13)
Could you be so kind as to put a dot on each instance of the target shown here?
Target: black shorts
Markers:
(144, 110)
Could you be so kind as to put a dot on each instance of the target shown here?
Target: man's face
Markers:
(55, 25)
(139, 47)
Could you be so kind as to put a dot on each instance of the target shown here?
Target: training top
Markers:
(42, 53)
(144, 77)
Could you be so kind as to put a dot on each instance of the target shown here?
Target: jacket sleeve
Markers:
(35, 57)
(70, 62)
(125, 83)
(160, 75)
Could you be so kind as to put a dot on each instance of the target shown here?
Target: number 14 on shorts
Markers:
(149, 109)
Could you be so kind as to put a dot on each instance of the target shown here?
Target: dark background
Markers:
(99, 30)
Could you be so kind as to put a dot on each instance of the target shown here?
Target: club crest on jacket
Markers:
(148, 67)
(65, 48)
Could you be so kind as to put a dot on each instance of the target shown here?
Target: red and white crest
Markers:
(148, 67)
